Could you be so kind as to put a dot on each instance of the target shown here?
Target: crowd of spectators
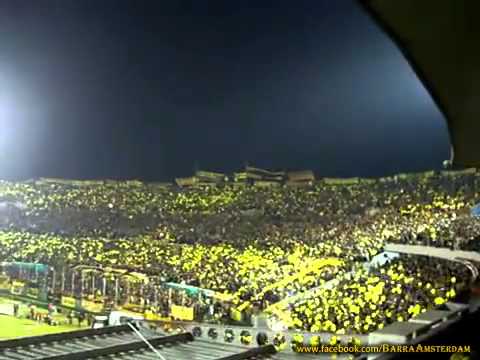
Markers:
(366, 300)
(240, 240)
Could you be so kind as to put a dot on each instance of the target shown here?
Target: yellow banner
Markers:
(92, 306)
(181, 312)
(150, 316)
(68, 301)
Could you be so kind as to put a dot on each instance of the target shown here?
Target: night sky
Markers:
(154, 89)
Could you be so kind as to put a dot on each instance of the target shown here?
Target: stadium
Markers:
(255, 264)
(258, 255)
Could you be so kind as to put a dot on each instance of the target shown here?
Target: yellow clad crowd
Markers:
(260, 245)
(366, 300)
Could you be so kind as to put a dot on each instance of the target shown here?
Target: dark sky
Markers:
(148, 89)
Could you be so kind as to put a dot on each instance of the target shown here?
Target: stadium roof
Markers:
(439, 38)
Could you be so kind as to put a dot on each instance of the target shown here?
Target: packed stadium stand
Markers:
(336, 258)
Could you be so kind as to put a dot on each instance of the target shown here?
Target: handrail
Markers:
(121, 348)
(252, 353)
